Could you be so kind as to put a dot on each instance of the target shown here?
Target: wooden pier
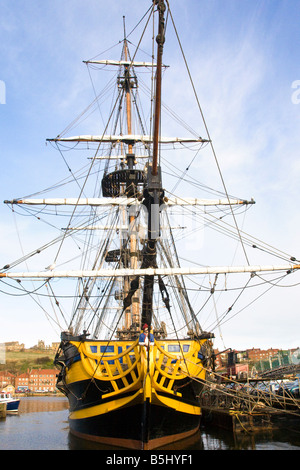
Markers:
(2, 410)
(240, 408)
(237, 421)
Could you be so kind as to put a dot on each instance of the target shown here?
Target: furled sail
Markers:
(125, 63)
(124, 201)
(128, 138)
(152, 271)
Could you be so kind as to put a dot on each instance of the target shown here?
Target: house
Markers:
(240, 371)
(22, 381)
(256, 354)
(9, 389)
(42, 380)
(6, 378)
(14, 346)
(34, 380)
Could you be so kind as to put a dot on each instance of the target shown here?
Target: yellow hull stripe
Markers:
(105, 407)
(176, 404)
(137, 398)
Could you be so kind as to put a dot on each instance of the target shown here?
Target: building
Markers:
(22, 381)
(256, 354)
(42, 380)
(14, 346)
(37, 380)
(295, 356)
(218, 359)
(6, 378)
(41, 346)
(240, 371)
(9, 389)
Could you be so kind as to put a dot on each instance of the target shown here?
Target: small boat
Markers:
(12, 404)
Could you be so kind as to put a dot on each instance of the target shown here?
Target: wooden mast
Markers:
(153, 193)
(131, 314)
(160, 39)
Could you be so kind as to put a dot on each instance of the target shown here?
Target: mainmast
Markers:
(160, 39)
(153, 193)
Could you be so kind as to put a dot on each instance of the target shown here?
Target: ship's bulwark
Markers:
(131, 397)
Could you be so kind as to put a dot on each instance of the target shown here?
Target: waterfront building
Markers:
(22, 381)
(43, 380)
(257, 354)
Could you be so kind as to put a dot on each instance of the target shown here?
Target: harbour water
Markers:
(42, 424)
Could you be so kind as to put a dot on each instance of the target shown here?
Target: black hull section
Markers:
(90, 393)
(142, 427)
(85, 393)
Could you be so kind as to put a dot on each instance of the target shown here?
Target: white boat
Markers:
(12, 404)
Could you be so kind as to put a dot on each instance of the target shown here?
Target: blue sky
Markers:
(244, 59)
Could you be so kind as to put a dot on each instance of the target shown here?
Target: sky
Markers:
(244, 60)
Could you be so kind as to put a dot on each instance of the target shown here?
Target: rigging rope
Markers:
(208, 134)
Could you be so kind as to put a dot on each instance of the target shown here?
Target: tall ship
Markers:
(133, 356)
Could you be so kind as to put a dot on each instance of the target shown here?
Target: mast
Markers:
(153, 192)
(160, 39)
(130, 159)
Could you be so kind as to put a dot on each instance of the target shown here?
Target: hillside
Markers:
(17, 362)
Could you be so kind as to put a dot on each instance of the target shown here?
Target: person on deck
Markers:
(145, 339)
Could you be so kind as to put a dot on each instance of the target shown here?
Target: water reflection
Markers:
(42, 423)
(212, 439)
(42, 404)
(278, 439)
(191, 443)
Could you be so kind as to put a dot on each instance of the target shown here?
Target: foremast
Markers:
(125, 183)
(131, 314)
(152, 196)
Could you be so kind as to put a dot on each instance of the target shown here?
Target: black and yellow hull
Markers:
(122, 394)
